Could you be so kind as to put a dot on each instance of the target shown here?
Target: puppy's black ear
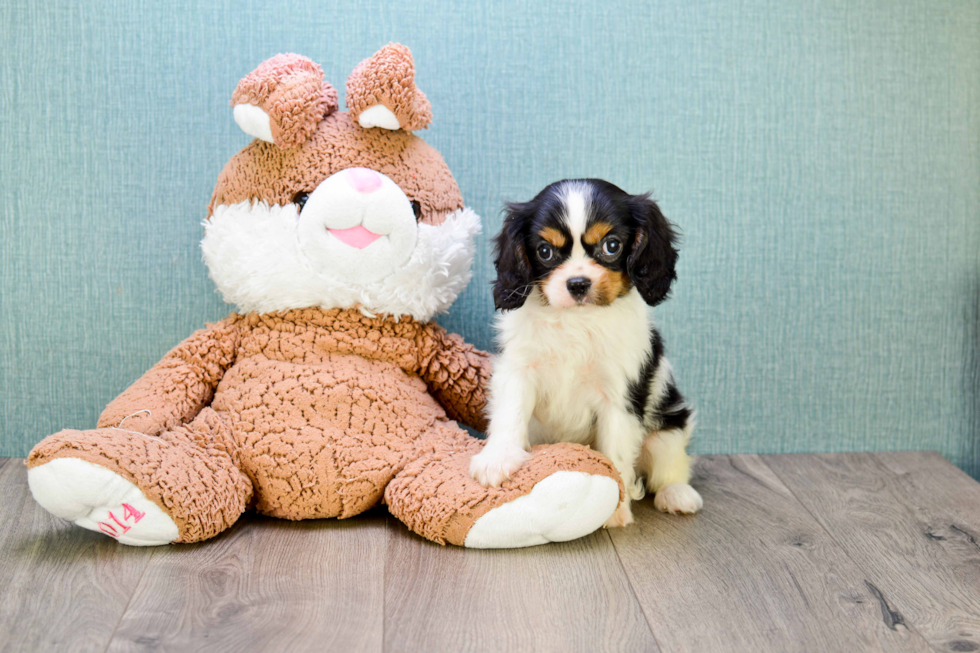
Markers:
(653, 257)
(513, 282)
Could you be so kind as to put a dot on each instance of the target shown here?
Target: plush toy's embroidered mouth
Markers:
(358, 236)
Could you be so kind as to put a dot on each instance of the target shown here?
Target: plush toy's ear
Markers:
(283, 99)
(653, 257)
(381, 91)
(514, 276)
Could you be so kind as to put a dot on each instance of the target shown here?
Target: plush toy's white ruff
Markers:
(253, 255)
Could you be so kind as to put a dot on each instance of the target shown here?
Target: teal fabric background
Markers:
(822, 160)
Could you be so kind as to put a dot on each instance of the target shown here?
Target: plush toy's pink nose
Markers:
(364, 180)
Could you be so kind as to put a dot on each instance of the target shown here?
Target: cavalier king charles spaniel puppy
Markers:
(580, 360)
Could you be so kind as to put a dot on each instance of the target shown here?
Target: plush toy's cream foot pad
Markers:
(100, 500)
(561, 492)
(564, 506)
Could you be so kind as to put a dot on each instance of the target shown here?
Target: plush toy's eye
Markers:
(612, 246)
(417, 210)
(299, 199)
(546, 252)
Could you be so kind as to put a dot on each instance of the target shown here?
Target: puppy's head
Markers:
(583, 242)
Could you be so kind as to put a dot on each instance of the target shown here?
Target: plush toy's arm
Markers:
(175, 390)
(457, 374)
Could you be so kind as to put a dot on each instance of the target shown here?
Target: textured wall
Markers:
(822, 161)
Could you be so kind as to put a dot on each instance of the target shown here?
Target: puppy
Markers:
(577, 267)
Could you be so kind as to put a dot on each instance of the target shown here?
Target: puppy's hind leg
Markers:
(667, 466)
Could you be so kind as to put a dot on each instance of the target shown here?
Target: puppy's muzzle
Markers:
(578, 287)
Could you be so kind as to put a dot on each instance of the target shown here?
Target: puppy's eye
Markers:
(299, 199)
(546, 252)
(612, 246)
(417, 210)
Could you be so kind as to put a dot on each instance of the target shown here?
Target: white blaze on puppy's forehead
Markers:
(575, 197)
(253, 121)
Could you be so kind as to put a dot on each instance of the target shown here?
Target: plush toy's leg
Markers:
(183, 486)
(565, 491)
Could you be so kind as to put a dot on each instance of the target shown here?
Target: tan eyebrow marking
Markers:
(553, 236)
(596, 232)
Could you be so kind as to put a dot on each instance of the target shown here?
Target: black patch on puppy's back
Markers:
(673, 411)
(639, 390)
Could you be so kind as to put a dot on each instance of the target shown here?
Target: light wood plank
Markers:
(912, 521)
(561, 597)
(885, 548)
(63, 588)
(935, 482)
(265, 585)
(753, 572)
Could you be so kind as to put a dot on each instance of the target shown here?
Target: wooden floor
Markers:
(847, 552)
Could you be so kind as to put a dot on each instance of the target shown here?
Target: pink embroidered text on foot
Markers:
(129, 512)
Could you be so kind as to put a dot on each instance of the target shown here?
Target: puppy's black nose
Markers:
(578, 287)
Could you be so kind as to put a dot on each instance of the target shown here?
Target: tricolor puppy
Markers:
(577, 267)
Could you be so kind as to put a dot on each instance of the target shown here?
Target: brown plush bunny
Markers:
(338, 235)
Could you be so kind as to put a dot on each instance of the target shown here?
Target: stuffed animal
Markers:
(338, 235)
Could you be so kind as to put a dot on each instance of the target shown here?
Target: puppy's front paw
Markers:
(494, 465)
(622, 517)
(678, 499)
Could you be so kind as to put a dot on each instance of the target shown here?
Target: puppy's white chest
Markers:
(578, 362)
(566, 414)
(581, 378)
(571, 387)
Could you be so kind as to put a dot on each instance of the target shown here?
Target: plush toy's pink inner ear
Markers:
(283, 100)
(381, 91)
